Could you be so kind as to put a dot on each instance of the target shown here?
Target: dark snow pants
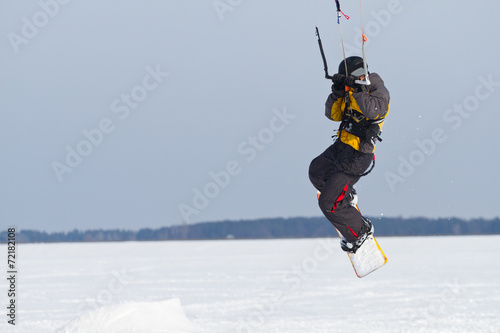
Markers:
(329, 174)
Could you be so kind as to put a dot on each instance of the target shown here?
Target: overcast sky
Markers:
(132, 114)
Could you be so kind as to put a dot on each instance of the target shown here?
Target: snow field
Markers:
(430, 284)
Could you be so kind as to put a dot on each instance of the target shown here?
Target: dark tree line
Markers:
(297, 227)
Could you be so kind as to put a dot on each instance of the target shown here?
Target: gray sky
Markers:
(132, 114)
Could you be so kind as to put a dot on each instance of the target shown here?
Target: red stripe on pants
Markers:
(355, 234)
(339, 198)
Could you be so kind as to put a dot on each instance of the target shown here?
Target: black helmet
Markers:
(355, 66)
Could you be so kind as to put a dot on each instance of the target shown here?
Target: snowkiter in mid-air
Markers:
(361, 110)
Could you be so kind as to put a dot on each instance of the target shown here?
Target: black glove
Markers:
(350, 81)
(338, 81)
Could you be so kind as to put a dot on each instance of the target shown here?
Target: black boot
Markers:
(354, 246)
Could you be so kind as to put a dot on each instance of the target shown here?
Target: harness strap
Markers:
(366, 130)
(356, 123)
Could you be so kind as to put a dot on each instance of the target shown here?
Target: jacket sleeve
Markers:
(374, 103)
(333, 105)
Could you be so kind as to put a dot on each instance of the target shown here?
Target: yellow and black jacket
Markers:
(369, 109)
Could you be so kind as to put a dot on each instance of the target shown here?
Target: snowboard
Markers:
(369, 257)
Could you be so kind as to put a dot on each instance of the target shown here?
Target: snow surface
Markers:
(430, 284)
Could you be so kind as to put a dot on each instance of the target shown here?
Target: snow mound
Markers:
(163, 316)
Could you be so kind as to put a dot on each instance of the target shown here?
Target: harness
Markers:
(357, 124)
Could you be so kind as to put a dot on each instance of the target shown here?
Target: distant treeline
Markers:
(297, 227)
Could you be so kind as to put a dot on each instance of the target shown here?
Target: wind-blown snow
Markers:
(430, 284)
(147, 317)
